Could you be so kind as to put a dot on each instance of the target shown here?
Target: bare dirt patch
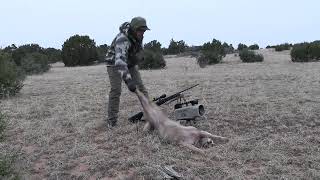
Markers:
(269, 110)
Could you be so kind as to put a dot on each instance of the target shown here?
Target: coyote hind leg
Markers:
(214, 137)
(192, 147)
(147, 127)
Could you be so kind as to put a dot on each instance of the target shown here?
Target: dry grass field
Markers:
(269, 110)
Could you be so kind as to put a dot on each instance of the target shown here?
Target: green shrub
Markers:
(282, 47)
(306, 52)
(228, 49)
(250, 56)
(35, 63)
(5, 164)
(54, 55)
(176, 47)
(193, 51)
(79, 50)
(152, 56)
(6, 160)
(102, 51)
(254, 47)
(2, 126)
(299, 53)
(208, 58)
(6, 167)
(314, 50)
(214, 46)
(153, 45)
(11, 76)
(152, 60)
(211, 53)
(242, 46)
(19, 53)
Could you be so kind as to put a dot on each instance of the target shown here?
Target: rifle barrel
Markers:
(164, 100)
(188, 88)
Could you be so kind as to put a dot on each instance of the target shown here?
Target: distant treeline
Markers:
(281, 47)
(18, 62)
(82, 50)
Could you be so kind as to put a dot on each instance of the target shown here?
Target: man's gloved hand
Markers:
(131, 84)
(127, 79)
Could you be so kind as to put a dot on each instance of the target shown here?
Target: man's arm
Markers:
(122, 45)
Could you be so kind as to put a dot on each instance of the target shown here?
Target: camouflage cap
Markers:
(139, 23)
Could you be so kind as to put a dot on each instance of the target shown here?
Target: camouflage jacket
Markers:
(125, 50)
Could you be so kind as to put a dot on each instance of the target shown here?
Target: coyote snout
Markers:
(187, 136)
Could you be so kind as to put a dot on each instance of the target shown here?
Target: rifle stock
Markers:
(136, 117)
(159, 102)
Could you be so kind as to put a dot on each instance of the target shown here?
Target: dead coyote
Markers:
(187, 136)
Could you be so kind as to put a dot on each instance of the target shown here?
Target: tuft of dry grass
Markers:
(269, 111)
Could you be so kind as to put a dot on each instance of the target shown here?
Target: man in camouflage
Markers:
(122, 59)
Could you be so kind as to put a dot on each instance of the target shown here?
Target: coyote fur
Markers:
(186, 136)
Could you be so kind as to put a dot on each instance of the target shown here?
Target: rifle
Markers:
(159, 101)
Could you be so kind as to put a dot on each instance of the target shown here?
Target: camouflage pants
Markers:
(115, 91)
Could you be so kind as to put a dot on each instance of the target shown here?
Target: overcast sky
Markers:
(265, 22)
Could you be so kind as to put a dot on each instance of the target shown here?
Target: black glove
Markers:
(131, 84)
(128, 80)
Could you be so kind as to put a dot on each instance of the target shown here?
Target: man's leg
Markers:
(135, 74)
(114, 95)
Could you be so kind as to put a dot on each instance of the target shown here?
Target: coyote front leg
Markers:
(192, 147)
